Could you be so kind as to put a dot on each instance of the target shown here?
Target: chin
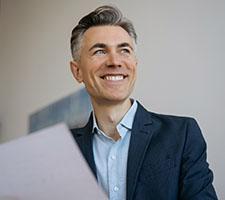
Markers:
(117, 98)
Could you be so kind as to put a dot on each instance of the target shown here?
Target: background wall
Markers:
(181, 48)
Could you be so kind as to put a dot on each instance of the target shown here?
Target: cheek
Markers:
(88, 77)
(133, 67)
(134, 73)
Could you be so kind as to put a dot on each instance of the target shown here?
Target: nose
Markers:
(113, 60)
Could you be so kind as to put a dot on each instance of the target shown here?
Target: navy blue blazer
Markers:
(166, 159)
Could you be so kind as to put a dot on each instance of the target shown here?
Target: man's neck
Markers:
(109, 115)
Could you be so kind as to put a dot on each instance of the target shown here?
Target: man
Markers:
(134, 154)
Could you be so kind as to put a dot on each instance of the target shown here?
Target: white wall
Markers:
(181, 62)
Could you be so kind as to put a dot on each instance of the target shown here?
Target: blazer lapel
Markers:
(84, 138)
(140, 138)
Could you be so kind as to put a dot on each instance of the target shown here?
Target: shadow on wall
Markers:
(74, 110)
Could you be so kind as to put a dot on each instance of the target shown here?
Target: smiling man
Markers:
(134, 154)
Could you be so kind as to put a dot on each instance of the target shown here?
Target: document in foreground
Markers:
(46, 165)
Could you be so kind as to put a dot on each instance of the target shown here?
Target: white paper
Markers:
(46, 165)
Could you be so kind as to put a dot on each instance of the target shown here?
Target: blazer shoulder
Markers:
(162, 116)
(76, 132)
(166, 121)
(171, 118)
(81, 131)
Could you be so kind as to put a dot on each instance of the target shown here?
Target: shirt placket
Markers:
(114, 185)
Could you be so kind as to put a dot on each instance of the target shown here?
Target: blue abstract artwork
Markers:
(74, 110)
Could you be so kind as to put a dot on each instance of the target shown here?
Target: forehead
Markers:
(109, 35)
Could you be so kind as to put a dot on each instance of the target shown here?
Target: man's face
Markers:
(107, 64)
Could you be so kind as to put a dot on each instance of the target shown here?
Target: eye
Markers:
(99, 52)
(125, 51)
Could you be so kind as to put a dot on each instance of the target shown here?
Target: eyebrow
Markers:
(98, 45)
(125, 44)
(103, 46)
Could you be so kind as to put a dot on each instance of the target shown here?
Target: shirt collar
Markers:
(127, 120)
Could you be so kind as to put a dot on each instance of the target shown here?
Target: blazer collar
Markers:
(84, 140)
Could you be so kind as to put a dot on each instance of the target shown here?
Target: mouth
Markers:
(114, 77)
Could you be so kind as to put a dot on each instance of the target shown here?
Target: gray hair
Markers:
(104, 15)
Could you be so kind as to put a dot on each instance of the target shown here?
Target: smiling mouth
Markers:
(113, 77)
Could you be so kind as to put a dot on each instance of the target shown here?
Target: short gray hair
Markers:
(104, 15)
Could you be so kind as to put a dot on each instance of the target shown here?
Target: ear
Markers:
(76, 71)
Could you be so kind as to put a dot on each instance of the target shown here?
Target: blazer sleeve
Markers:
(196, 177)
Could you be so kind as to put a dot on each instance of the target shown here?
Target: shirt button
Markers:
(113, 157)
(115, 189)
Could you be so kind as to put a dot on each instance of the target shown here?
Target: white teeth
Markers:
(114, 78)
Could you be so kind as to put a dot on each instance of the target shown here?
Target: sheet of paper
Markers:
(46, 165)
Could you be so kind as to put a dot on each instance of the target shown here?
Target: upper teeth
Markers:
(114, 78)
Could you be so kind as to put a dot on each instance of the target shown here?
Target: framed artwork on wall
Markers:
(74, 110)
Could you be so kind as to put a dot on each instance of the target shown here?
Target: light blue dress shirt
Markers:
(111, 156)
